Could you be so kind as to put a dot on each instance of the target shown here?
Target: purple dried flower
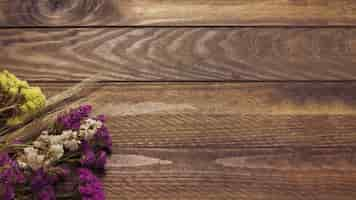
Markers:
(10, 175)
(63, 171)
(4, 158)
(101, 160)
(90, 186)
(39, 180)
(7, 192)
(88, 157)
(104, 139)
(42, 185)
(47, 193)
(73, 118)
(18, 141)
(101, 118)
(59, 173)
(92, 159)
(10, 172)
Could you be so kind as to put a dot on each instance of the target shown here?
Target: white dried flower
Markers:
(83, 129)
(99, 124)
(30, 150)
(34, 160)
(75, 135)
(90, 134)
(21, 164)
(67, 134)
(56, 151)
(72, 145)
(47, 162)
(89, 128)
(55, 139)
(44, 138)
(39, 144)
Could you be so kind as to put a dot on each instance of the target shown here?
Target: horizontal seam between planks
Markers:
(202, 82)
(212, 147)
(181, 26)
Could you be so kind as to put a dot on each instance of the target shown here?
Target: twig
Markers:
(48, 115)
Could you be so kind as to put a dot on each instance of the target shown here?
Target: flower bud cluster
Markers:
(47, 149)
(28, 100)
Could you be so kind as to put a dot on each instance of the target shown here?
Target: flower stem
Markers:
(8, 108)
(70, 195)
(69, 158)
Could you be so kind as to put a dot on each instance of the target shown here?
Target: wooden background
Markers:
(207, 99)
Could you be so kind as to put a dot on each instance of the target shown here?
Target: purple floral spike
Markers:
(73, 118)
(103, 138)
(4, 159)
(10, 172)
(47, 194)
(7, 192)
(42, 186)
(101, 160)
(90, 186)
(59, 173)
(101, 118)
(92, 159)
(10, 175)
(88, 157)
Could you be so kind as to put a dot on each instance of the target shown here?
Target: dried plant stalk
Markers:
(33, 129)
(48, 115)
(71, 92)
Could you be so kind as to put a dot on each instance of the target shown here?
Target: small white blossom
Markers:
(55, 139)
(90, 134)
(75, 135)
(56, 151)
(72, 145)
(38, 144)
(89, 128)
(50, 148)
(34, 160)
(22, 164)
(67, 134)
(44, 138)
(30, 150)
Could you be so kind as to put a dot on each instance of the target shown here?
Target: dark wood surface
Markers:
(171, 12)
(246, 174)
(224, 115)
(228, 141)
(206, 100)
(181, 54)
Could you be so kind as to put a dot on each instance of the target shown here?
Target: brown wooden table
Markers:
(207, 99)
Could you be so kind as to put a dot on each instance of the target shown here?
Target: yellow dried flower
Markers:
(10, 84)
(32, 98)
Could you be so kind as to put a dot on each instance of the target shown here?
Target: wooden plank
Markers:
(250, 115)
(171, 12)
(213, 141)
(184, 54)
(229, 141)
(232, 174)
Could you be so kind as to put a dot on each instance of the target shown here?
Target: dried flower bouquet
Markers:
(70, 147)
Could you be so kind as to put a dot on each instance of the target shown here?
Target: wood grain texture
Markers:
(266, 173)
(171, 12)
(250, 115)
(183, 54)
(217, 141)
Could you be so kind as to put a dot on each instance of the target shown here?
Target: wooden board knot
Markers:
(58, 12)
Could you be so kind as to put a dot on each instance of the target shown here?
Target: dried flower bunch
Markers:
(71, 150)
(76, 144)
(18, 100)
